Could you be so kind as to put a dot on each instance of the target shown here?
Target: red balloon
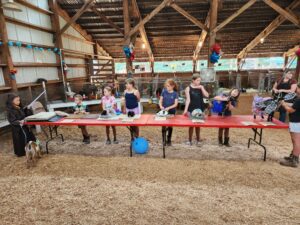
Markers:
(132, 57)
(298, 52)
(216, 48)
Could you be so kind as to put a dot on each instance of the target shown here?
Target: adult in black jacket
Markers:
(21, 133)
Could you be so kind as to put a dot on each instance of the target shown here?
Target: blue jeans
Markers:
(282, 114)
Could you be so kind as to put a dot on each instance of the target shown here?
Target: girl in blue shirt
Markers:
(168, 101)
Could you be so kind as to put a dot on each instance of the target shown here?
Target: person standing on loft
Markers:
(284, 85)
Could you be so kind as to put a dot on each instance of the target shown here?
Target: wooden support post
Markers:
(213, 24)
(6, 57)
(57, 36)
(127, 27)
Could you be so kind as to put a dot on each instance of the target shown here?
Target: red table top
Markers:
(177, 121)
(216, 121)
(92, 122)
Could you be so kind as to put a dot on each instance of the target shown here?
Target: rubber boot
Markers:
(226, 142)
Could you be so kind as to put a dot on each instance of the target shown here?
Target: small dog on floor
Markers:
(33, 152)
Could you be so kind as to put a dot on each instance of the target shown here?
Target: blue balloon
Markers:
(49, 49)
(10, 43)
(41, 49)
(55, 49)
(36, 48)
(140, 145)
(218, 106)
(127, 51)
(1, 43)
(29, 46)
(18, 43)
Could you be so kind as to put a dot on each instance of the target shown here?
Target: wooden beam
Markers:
(234, 15)
(127, 27)
(31, 6)
(291, 51)
(202, 38)
(268, 30)
(143, 31)
(109, 21)
(62, 13)
(5, 54)
(87, 4)
(283, 12)
(189, 16)
(22, 23)
(58, 39)
(147, 18)
(102, 67)
(212, 24)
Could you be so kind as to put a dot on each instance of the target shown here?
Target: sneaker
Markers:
(168, 143)
(116, 142)
(293, 162)
(189, 143)
(198, 143)
(108, 142)
(288, 158)
(226, 142)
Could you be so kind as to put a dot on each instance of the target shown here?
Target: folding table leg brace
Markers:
(51, 130)
(259, 134)
(132, 135)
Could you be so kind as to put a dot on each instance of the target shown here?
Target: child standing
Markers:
(194, 100)
(168, 101)
(20, 132)
(109, 103)
(132, 98)
(229, 103)
(81, 108)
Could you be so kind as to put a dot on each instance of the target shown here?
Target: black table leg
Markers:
(132, 135)
(164, 138)
(258, 133)
(51, 130)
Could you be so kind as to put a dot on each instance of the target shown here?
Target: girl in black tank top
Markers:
(194, 100)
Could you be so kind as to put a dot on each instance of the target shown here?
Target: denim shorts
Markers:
(294, 127)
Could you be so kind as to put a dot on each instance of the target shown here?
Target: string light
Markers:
(262, 40)
(143, 45)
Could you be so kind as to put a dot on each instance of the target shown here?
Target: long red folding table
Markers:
(256, 125)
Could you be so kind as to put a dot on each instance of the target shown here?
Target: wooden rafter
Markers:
(291, 51)
(189, 16)
(268, 30)
(109, 21)
(143, 31)
(234, 15)
(87, 4)
(148, 18)
(287, 15)
(202, 38)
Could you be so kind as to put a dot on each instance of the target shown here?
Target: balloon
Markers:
(49, 50)
(18, 43)
(127, 52)
(216, 48)
(140, 145)
(29, 46)
(10, 43)
(298, 52)
(41, 49)
(132, 57)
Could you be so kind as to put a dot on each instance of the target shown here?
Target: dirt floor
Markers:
(100, 184)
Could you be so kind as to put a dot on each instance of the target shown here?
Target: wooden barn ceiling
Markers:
(171, 35)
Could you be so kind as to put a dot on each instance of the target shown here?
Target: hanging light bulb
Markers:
(10, 5)
(143, 45)
(200, 44)
(262, 40)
